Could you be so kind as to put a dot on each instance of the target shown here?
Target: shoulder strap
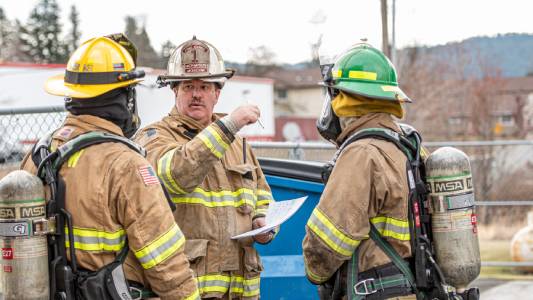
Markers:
(48, 165)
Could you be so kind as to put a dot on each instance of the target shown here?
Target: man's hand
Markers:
(262, 238)
(245, 115)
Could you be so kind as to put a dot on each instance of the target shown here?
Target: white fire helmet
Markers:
(196, 59)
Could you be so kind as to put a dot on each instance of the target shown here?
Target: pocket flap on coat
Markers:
(195, 248)
(242, 168)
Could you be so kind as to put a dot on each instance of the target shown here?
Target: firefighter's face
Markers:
(196, 99)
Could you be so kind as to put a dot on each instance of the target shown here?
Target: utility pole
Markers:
(385, 29)
(393, 43)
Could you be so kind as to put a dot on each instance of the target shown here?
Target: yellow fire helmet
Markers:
(98, 66)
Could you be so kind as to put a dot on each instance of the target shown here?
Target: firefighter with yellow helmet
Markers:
(107, 192)
(216, 183)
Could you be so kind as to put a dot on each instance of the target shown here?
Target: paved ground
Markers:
(510, 291)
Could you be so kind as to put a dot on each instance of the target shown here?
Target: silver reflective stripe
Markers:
(206, 133)
(249, 289)
(336, 240)
(154, 254)
(119, 282)
(391, 227)
(222, 198)
(97, 240)
(217, 199)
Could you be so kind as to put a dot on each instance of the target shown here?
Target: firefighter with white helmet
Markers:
(215, 181)
(104, 194)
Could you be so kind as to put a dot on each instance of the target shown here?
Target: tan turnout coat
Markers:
(110, 200)
(218, 188)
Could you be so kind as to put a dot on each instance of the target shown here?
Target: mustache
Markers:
(196, 101)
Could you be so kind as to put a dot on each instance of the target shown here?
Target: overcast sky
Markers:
(284, 26)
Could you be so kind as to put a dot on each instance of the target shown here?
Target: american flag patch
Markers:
(148, 175)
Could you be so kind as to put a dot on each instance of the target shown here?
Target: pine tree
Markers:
(147, 56)
(74, 34)
(166, 51)
(41, 36)
(9, 41)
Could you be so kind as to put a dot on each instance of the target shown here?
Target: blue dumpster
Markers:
(284, 274)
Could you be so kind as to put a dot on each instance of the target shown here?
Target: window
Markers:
(282, 94)
(505, 120)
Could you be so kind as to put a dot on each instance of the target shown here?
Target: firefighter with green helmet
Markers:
(362, 93)
(373, 234)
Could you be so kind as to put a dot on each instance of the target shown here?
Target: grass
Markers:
(498, 250)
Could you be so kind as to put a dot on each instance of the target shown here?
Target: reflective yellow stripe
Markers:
(391, 227)
(213, 283)
(312, 275)
(363, 75)
(193, 296)
(333, 237)
(262, 211)
(164, 171)
(89, 239)
(213, 141)
(161, 248)
(263, 197)
(236, 285)
(236, 198)
(73, 159)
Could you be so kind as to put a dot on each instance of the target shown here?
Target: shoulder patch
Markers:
(146, 136)
(148, 175)
(65, 132)
(151, 132)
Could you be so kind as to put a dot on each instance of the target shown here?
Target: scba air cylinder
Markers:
(24, 270)
(453, 218)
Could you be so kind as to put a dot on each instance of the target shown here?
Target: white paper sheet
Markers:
(278, 212)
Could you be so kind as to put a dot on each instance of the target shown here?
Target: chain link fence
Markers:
(21, 128)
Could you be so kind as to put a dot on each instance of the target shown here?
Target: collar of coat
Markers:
(373, 120)
(185, 124)
(80, 124)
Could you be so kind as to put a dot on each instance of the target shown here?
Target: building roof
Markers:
(303, 78)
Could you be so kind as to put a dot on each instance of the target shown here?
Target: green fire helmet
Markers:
(366, 71)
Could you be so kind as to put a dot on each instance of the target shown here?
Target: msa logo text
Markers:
(7, 213)
(449, 186)
(32, 211)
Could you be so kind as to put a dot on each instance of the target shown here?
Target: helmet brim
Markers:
(206, 77)
(373, 90)
(57, 86)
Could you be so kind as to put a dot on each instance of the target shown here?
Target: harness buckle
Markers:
(136, 291)
(367, 284)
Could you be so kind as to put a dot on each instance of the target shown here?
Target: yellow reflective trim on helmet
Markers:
(73, 159)
(337, 74)
(363, 75)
